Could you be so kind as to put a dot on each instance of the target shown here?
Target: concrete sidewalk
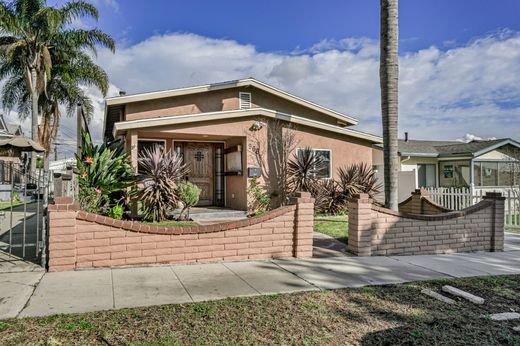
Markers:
(37, 294)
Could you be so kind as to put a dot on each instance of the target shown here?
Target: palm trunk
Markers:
(34, 118)
(389, 76)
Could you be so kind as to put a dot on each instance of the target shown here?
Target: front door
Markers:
(199, 157)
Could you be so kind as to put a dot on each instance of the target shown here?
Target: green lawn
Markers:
(7, 205)
(335, 226)
(374, 315)
(172, 223)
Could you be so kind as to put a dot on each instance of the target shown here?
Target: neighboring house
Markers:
(479, 164)
(9, 131)
(211, 126)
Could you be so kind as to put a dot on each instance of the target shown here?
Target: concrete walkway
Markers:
(34, 293)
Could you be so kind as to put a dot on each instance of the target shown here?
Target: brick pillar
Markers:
(62, 234)
(497, 220)
(415, 204)
(360, 225)
(304, 224)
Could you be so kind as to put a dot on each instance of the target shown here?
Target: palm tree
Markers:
(64, 90)
(32, 34)
(389, 76)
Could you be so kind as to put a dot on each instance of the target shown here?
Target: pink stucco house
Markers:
(211, 126)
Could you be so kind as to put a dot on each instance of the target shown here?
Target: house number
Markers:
(199, 156)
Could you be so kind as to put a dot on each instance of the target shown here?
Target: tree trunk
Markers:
(389, 76)
(34, 118)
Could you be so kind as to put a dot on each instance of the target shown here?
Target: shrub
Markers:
(116, 212)
(189, 195)
(328, 198)
(260, 199)
(357, 178)
(160, 172)
(103, 171)
(303, 170)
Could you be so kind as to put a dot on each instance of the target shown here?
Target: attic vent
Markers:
(244, 100)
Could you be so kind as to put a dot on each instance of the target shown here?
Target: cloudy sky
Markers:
(459, 60)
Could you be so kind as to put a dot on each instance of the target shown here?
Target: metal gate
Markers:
(23, 213)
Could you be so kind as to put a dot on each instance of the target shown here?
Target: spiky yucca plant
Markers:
(357, 178)
(328, 198)
(303, 170)
(160, 171)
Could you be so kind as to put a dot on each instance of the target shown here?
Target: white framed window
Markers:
(326, 156)
(244, 100)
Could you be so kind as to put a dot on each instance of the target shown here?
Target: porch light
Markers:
(257, 126)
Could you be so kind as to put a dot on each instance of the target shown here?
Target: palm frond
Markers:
(77, 9)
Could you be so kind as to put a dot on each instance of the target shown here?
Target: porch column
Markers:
(132, 145)
(131, 140)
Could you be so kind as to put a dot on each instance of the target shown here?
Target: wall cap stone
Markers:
(143, 228)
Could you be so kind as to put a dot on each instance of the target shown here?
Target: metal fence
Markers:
(460, 198)
(23, 213)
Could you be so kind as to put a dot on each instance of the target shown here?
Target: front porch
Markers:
(216, 162)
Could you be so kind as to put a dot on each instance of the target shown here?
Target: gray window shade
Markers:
(426, 175)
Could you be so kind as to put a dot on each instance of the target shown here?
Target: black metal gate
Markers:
(23, 213)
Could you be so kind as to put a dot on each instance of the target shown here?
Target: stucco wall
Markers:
(218, 100)
(345, 149)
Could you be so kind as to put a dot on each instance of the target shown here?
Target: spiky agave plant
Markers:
(304, 169)
(357, 178)
(160, 172)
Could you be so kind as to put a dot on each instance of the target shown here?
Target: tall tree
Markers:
(389, 76)
(32, 33)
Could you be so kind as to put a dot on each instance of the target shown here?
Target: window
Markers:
(148, 144)
(489, 173)
(506, 173)
(244, 100)
(495, 173)
(426, 175)
(326, 156)
(454, 173)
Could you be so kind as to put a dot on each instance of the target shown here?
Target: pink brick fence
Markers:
(78, 239)
(421, 227)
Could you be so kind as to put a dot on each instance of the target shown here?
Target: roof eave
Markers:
(121, 127)
(119, 100)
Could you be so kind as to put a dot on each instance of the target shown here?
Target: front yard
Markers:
(377, 315)
(334, 226)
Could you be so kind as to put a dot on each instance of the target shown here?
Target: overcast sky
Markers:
(459, 60)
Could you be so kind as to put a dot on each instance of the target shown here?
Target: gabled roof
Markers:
(227, 85)
(422, 148)
(15, 129)
(123, 126)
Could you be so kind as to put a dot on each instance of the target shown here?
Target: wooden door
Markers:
(199, 157)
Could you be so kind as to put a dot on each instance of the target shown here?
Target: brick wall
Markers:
(375, 230)
(420, 203)
(78, 239)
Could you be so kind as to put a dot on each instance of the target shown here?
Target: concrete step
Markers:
(202, 214)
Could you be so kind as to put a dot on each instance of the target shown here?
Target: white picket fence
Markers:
(460, 198)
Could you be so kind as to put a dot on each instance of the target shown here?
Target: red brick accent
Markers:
(374, 230)
(78, 239)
